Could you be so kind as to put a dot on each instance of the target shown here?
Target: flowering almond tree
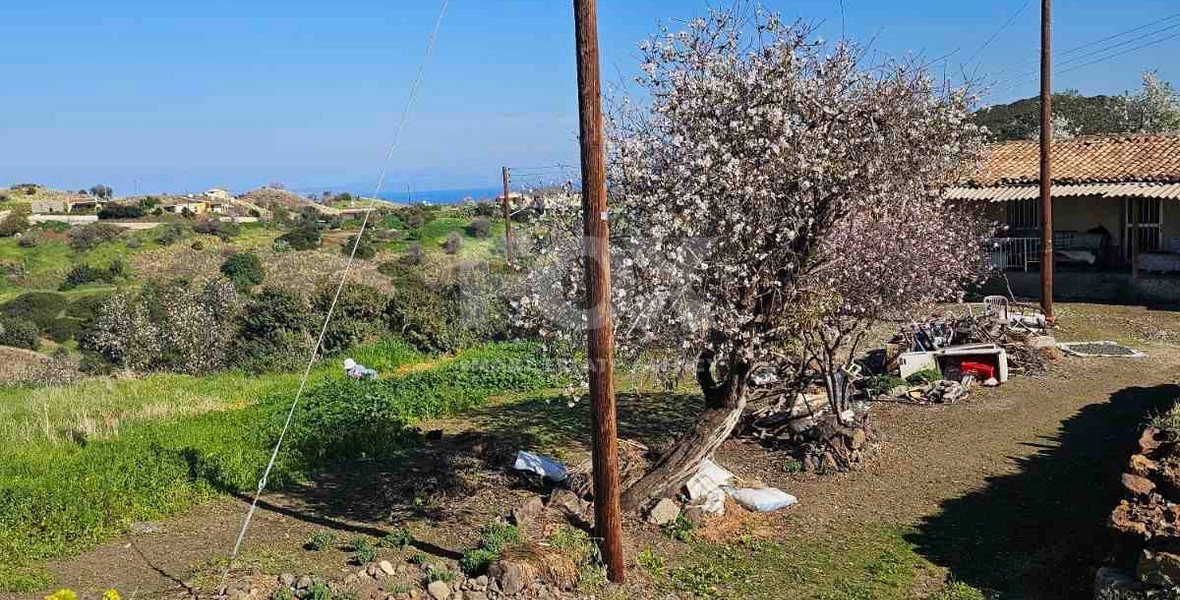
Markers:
(734, 192)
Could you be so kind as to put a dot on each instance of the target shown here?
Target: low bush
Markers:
(359, 316)
(364, 251)
(171, 233)
(244, 269)
(319, 541)
(453, 243)
(90, 236)
(120, 211)
(42, 308)
(13, 224)
(83, 274)
(224, 231)
(29, 240)
(480, 227)
(495, 538)
(304, 237)
(274, 331)
(19, 333)
(63, 330)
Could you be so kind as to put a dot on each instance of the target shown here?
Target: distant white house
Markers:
(218, 195)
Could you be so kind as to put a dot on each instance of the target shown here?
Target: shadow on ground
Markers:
(1038, 533)
(436, 478)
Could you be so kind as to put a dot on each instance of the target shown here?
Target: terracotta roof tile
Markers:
(1094, 159)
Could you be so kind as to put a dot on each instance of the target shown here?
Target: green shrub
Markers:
(923, 377)
(881, 384)
(120, 211)
(19, 333)
(172, 233)
(282, 593)
(494, 539)
(42, 308)
(64, 330)
(274, 331)
(90, 236)
(13, 224)
(223, 230)
(244, 269)
(475, 562)
(681, 529)
(319, 541)
(54, 226)
(86, 307)
(398, 539)
(480, 227)
(453, 243)
(304, 237)
(78, 276)
(416, 558)
(364, 251)
(434, 574)
(359, 316)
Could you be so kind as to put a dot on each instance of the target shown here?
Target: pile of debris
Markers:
(805, 425)
(1146, 523)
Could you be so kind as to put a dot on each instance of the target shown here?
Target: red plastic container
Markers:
(981, 371)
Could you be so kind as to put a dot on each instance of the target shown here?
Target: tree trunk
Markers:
(724, 405)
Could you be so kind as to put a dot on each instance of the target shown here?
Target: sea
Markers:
(441, 196)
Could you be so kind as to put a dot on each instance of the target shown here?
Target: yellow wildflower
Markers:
(62, 595)
(111, 595)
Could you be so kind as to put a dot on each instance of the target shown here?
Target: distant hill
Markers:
(1020, 120)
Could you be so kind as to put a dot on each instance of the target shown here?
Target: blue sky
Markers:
(182, 95)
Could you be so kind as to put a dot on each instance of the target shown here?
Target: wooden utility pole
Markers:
(607, 510)
(507, 220)
(1046, 171)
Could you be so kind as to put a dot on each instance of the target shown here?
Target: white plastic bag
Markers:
(546, 467)
(762, 500)
(710, 477)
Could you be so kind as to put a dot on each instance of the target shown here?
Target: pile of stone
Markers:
(1146, 522)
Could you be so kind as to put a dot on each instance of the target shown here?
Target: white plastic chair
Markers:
(996, 306)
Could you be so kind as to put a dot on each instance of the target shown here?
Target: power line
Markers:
(395, 142)
(1021, 80)
(1025, 72)
(997, 33)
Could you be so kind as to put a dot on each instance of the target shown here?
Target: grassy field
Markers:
(81, 464)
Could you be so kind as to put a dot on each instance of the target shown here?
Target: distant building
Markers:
(218, 194)
(196, 207)
(50, 207)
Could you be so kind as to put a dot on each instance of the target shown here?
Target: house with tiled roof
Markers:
(1116, 202)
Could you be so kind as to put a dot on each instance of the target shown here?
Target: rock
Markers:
(287, 580)
(476, 595)
(567, 502)
(480, 583)
(1158, 568)
(510, 577)
(1169, 478)
(1110, 579)
(1141, 465)
(386, 567)
(304, 583)
(1139, 486)
(439, 590)
(351, 580)
(528, 512)
(665, 511)
(1147, 443)
(458, 595)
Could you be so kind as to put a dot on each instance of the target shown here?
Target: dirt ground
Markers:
(1005, 491)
